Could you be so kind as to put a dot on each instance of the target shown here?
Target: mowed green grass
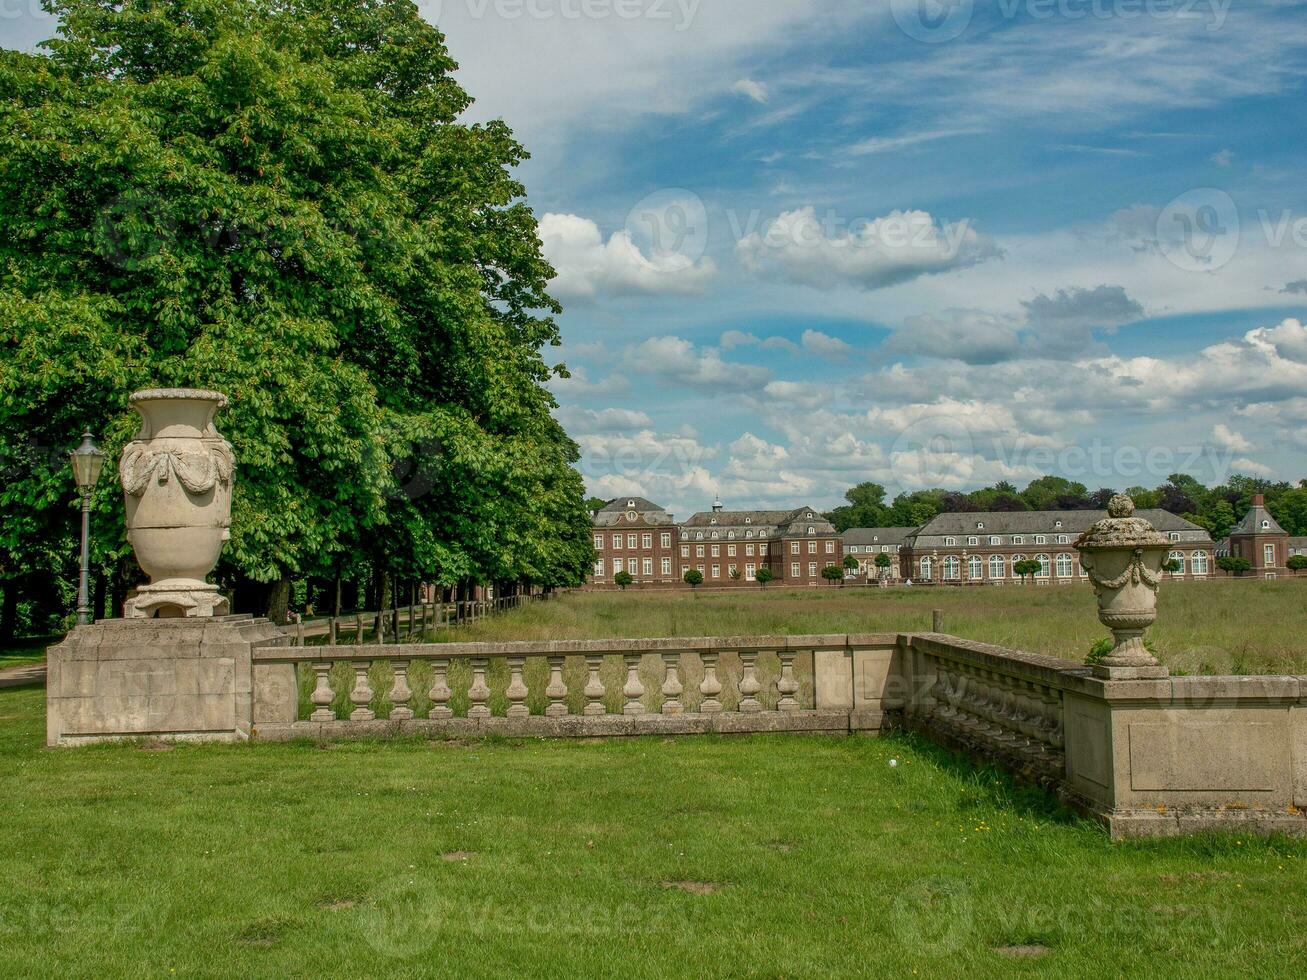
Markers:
(759, 856)
(1220, 627)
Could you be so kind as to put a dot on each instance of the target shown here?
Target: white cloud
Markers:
(579, 385)
(974, 336)
(751, 89)
(1223, 437)
(825, 346)
(587, 265)
(679, 362)
(1222, 158)
(1251, 467)
(889, 250)
(889, 144)
(578, 421)
(736, 338)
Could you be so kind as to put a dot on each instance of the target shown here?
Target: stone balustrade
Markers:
(616, 687)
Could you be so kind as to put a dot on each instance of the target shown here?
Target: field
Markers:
(1219, 627)
(762, 856)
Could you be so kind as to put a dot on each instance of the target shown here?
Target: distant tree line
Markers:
(1217, 509)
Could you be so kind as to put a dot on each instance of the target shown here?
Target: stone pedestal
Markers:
(165, 678)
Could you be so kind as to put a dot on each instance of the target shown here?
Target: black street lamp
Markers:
(87, 462)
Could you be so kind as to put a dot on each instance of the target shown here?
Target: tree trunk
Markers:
(279, 600)
(97, 604)
(9, 612)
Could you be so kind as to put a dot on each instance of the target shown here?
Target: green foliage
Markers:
(1172, 565)
(884, 561)
(866, 508)
(693, 577)
(279, 202)
(850, 562)
(1297, 563)
(1027, 567)
(833, 573)
(764, 575)
(623, 579)
(1106, 645)
(1238, 566)
(736, 574)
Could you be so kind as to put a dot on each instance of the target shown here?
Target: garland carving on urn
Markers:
(177, 481)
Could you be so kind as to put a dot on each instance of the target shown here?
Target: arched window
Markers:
(927, 566)
(997, 567)
(1064, 566)
(812, 530)
(1177, 556)
(973, 540)
(1200, 563)
(950, 542)
(975, 568)
(699, 536)
(1044, 566)
(715, 535)
(952, 568)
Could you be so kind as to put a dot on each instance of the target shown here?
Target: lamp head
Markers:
(87, 462)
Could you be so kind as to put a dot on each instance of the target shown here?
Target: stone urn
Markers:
(1123, 556)
(177, 479)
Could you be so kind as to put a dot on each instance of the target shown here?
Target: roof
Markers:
(877, 535)
(1042, 522)
(614, 512)
(784, 521)
(1252, 522)
(1298, 544)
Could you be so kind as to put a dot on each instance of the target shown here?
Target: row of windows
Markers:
(633, 541)
(731, 550)
(730, 535)
(871, 549)
(951, 566)
(635, 566)
(997, 540)
(812, 547)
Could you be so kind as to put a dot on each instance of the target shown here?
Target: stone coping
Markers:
(559, 648)
(1189, 691)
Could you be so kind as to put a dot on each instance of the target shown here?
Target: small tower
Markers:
(1260, 539)
(717, 503)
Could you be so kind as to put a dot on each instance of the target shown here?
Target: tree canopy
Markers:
(1217, 509)
(274, 198)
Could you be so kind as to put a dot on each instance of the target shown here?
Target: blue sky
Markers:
(806, 244)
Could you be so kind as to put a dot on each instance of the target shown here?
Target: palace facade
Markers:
(866, 544)
(1260, 538)
(984, 548)
(728, 547)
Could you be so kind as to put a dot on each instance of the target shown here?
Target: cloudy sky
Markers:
(805, 244)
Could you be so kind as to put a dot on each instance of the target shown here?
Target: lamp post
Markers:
(87, 462)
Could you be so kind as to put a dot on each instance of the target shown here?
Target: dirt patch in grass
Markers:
(781, 846)
(694, 887)
(337, 904)
(453, 856)
(1024, 952)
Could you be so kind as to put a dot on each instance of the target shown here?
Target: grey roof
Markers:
(1252, 522)
(781, 521)
(877, 535)
(1298, 545)
(1043, 522)
(614, 512)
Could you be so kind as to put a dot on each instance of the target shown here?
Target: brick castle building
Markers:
(1260, 539)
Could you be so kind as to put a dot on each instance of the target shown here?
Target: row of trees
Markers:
(274, 198)
(1217, 509)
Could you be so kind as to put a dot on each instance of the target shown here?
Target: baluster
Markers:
(322, 693)
(440, 692)
(361, 696)
(517, 691)
(594, 688)
(400, 693)
(710, 686)
(634, 689)
(479, 693)
(672, 686)
(749, 686)
(787, 686)
(557, 689)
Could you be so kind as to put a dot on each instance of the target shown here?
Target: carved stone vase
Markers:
(177, 479)
(1123, 556)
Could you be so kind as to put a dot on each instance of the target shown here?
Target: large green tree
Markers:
(274, 198)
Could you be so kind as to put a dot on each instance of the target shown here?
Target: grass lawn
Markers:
(762, 856)
(1218, 627)
(19, 653)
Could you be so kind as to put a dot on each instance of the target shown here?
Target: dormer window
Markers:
(980, 525)
(1266, 525)
(1057, 523)
(713, 521)
(950, 542)
(812, 530)
(748, 520)
(730, 535)
(810, 515)
(699, 536)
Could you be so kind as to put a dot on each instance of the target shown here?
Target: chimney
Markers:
(1259, 500)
